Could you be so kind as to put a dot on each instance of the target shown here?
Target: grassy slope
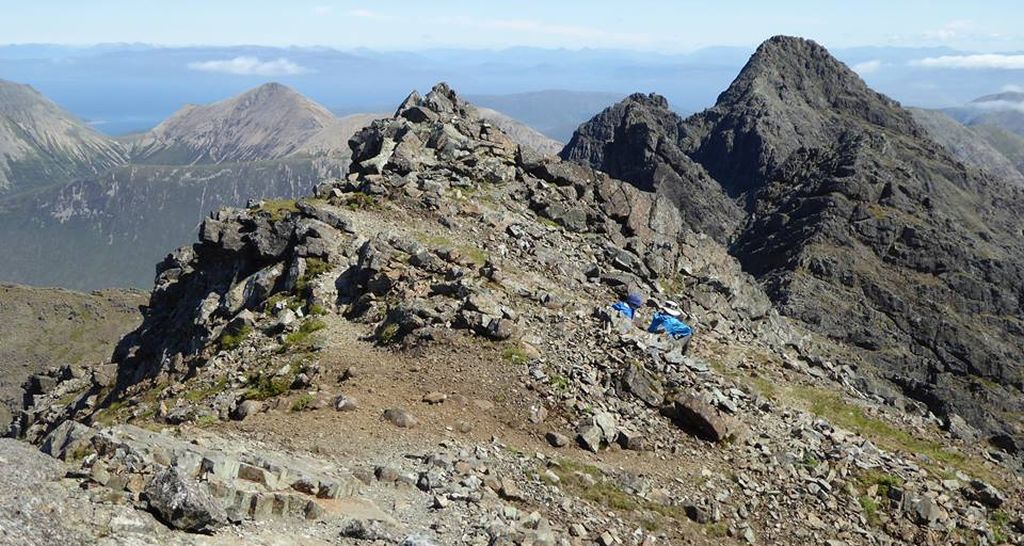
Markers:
(44, 327)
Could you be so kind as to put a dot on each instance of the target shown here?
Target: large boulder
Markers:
(702, 420)
(182, 503)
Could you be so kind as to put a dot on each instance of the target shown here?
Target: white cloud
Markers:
(1013, 88)
(867, 67)
(322, 10)
(985, 61)
(250, 66)
(953, 30)
(998, 105)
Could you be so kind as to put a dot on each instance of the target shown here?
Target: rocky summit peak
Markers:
(791, 94)
(441, 100)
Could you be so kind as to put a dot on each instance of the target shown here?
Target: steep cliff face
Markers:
(637, 140)
(864, 229)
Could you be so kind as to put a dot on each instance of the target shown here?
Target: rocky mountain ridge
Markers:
(431, 326)
(856, 226)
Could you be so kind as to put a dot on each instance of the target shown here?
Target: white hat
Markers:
(671, 308)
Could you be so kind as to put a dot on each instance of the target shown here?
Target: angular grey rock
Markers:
(702, 420)
(556, 439)
(985, 494)
(184, 504)
(400, 418)
(643, 384)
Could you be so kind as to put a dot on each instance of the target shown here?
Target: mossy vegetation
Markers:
(206, 420)
(870, 507)
(301, 338)
(303, 402)
(207, 391)
(314, 268)
(515, 355)
(831, 406)
(388, 334)
(232, 340)
(278, 209)
(361, 201)
(262, 387)
(590, 483)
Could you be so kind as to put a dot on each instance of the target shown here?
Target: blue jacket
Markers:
(663, 322)
(624, 309)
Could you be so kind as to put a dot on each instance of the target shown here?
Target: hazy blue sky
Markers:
(673, 26)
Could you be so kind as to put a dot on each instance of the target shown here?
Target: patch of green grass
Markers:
(559, 382)
(765, 387)
(998, 520)
(831, 406)
(361, 201)
(231, 341)
(274, 299)
(107, 415)
(303, 402)
(608, 494)
(388, 334)
(262, 387)
(302, 337)
(206, 420)
(314, 268)
(316, 310)
(203, 393)
(433, 241)
(548, 222)
(810, 461)
(515, 355)
(570, 466)
(673, 285)
(717, 530)
(79, 452)
(870, 507)
(476, 255)
(278, 209)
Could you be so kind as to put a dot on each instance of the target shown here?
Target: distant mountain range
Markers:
(121, 88)
(1002, 110)
(987, 132)
(555, 113)
(40, 144)
(82, 210)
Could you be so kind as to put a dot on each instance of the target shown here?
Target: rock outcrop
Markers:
(638, 140)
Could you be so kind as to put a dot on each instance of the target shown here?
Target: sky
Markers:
(647, 25)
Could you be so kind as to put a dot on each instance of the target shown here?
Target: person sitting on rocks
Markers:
(622, 313)
(628, 307)
(667, 321)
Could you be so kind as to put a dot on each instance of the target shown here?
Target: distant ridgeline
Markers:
(83, 210)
